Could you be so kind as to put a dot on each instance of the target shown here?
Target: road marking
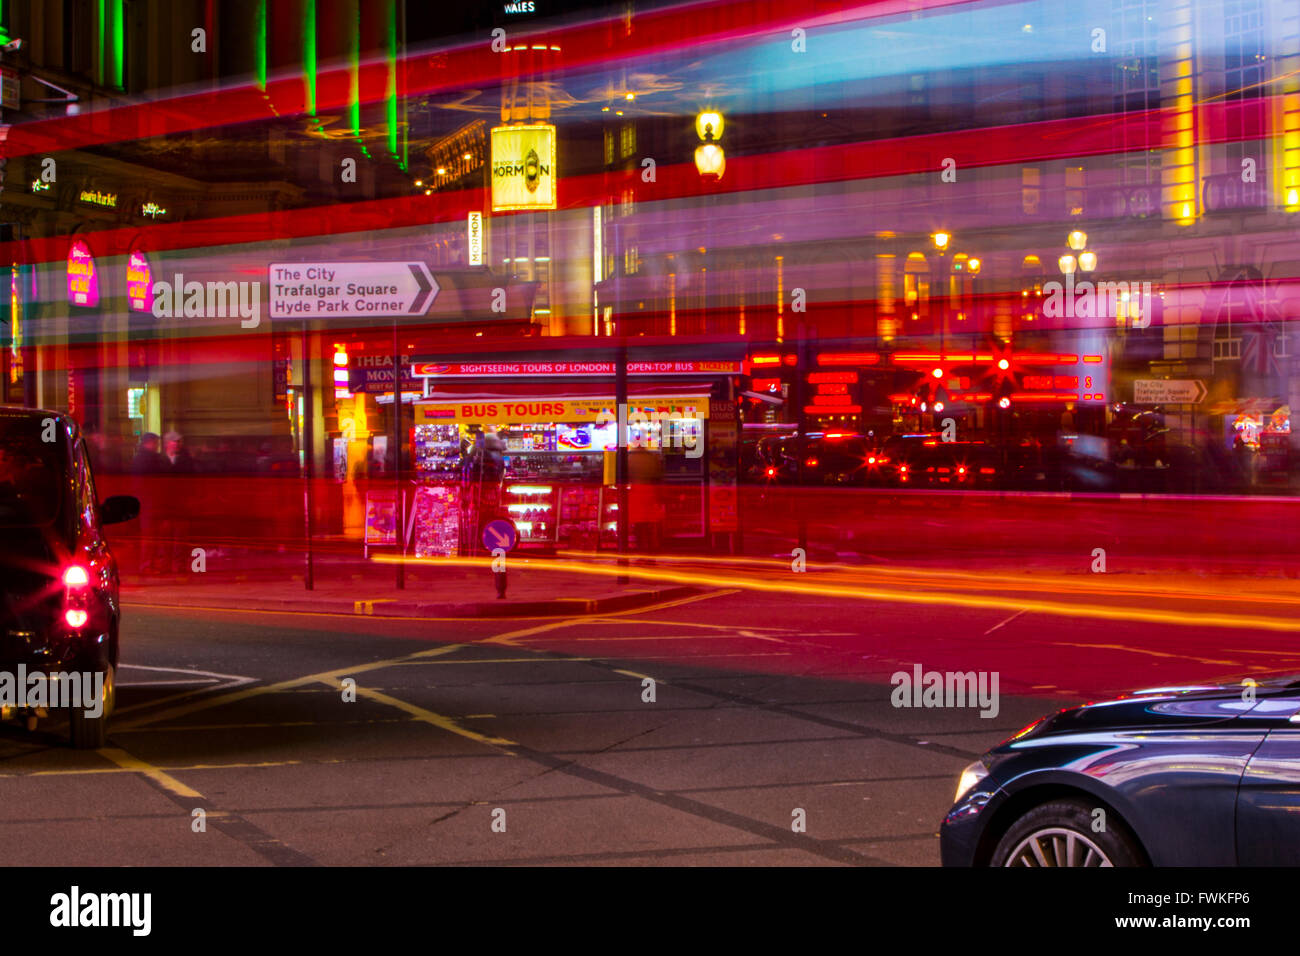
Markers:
(231, 681)
(637, 676)
(182, 670)
(508, 639)
(500, 660)
(81, 771)
(295, 613)
(1142, 650)
(159, 776)
(208, 703)
(1004, 623)
(429, 717)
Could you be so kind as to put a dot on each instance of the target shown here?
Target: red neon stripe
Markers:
(657, 34)
(848, 358)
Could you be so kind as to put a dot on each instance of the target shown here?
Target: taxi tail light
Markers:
(76, 584)
(75, 576)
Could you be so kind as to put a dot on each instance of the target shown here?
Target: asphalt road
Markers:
(765, 704)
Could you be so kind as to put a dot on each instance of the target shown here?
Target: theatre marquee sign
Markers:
(523, 167)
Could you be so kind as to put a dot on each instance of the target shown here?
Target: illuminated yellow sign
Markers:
(96, 198)
(523, 167)
(566, 410)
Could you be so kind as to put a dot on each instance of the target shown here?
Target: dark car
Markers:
(834, 458)
(1175, 776)
(59, 611)
(927, 461)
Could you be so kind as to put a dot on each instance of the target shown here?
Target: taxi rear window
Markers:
(32, 472)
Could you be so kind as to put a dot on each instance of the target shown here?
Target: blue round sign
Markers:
(500, 533)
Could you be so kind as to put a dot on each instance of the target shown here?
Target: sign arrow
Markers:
(369, 289)
(428, 288)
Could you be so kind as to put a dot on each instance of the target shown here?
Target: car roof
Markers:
(22, 411)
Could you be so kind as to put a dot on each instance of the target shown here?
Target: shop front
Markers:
(548, 465)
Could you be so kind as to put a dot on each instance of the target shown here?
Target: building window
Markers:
(627, 140)
(1136, 81)
(1030, 191)
(1227, 350)
(1243, 80)
(1074, 190)
(609, 147)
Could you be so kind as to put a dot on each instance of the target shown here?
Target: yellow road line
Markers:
(508, 639)
(208, 703)
(429, 717)
(159, 776)
(348, 616)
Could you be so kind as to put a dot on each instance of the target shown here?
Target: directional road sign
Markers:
(348, 289)
(1168, 391)
(500, 533)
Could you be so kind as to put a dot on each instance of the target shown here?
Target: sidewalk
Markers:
(352, 585)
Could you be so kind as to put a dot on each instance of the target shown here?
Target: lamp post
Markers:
(710, 163)
(939, 282)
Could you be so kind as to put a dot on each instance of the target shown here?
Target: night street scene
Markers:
(745, 434)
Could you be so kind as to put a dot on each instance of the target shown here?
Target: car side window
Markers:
(87, 504)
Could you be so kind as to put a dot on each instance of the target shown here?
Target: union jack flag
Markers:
(1257, 351)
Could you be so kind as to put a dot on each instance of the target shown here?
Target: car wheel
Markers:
(91, 733)
(1061, 833)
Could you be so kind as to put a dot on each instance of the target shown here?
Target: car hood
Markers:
(1171, 706)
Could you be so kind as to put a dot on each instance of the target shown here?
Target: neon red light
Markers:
(848, 358)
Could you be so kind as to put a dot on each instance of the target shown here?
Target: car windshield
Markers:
(842, 452)
(31, 473)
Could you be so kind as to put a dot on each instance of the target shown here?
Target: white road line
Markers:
(182, 670)
(1005, 623)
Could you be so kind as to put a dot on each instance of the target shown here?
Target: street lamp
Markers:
(710, 160)
(1085, 261)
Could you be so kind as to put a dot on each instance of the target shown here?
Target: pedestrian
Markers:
(147, 460)
(179, 460)
(147, 465)
(492, 469)
(645, 472)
